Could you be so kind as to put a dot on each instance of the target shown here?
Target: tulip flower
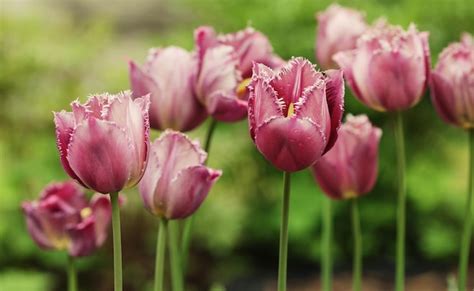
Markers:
(103, 145)
(338, 30)
(224, 69)
(294, 114)
(167, 76)
(63, 219)
(452, 92)
(388, 70)
(349, 169)
(175, 184)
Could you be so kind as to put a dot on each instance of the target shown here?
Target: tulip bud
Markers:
(294, 114)
(167, 76)
(176, 181)
(224, 69)
(452, 83)
(349, 169)
(338, 30)
(62, 219)
(103, 144)
(389, 68)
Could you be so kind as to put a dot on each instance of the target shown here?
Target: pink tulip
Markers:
(294, 115)
(349, 169)
(63, 219)
(225, 66)
(452, 83)
(167, 76)
(176, 182)
(389, 68)
(103, 144)
(338, 30)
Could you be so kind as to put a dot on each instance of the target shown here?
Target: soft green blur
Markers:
(52, 52)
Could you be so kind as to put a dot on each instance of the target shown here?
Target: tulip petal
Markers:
(329, 176)
(34, 226)
(96, 154)
(188, 190)
(226, 107)
(69, 192)
(102, 213)
(335, 100)
(290, 144)
(204, 38)
(365, 162)
(83, 241)
(442, 98)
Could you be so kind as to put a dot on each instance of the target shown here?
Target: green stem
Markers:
(401, 219)
(282, 265)
(176, 263)
(160, 255)
(71, 274)
(117, 241)
(466, 234)
(188, 223)
(326, 251)
(357, 261)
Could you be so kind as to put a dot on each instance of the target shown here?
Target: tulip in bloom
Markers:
(176, 181)
(389, 68)
(225, 68)
(103, 144)
(452, 83)
(63, 219)
(349, 169)
(167, 75)
(294, 115)
(338, 30)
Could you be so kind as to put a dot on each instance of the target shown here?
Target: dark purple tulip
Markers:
(63, 219)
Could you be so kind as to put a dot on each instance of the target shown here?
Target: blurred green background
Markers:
(54, 51)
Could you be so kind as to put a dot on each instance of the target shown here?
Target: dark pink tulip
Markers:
(63, 219)
(338, 30)
(225, 66)
(103, 144)
(167, 75)
(349, 169)
(452, 83)
(294, 114)
(389, 68)
(176, 182)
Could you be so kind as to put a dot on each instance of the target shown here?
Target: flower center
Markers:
(86, 212)
(242, 88)
(291, 110)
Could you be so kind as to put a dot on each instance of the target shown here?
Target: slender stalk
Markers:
(160, 255)
(71, 274)
(282, 265)
(467, 229)
(176, 263)
(401, 219)
(117, 241)
(326, 245)
(188, 223)
(357, 261)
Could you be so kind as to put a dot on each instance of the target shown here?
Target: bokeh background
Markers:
(54, 51)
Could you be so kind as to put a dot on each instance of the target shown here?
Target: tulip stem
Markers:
(326, 250)
(467, 229)
(357, 260)
(188, 223)
(176, 263)
(71, 274)
(117, 241)
(160, 255)
(282, 263)
(401, 219)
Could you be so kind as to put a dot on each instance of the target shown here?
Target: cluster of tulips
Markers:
(294, 114)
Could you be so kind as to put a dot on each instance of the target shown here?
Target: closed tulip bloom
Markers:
(224, 69)
(294, 114)
(389, 68)
(350, 168)
(167, 75)
(338, 30)
(103, 144)
(63, 219)
(452, 83)
(176, 181)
